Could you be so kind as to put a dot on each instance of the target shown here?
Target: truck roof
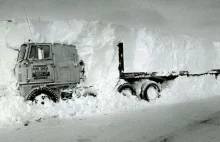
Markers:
(56, 43)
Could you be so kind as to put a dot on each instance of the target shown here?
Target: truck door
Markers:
(20, 67)
(41, 67)
(66, 62)
(72, 57)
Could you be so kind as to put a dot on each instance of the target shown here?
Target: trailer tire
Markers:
(127, 86)
(42, 90)
(145, 87)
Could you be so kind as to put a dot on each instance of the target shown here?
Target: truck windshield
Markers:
(39, 52)
(22, 53)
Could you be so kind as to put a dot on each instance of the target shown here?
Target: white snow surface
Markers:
(195, 121)
(163, 52)
(96, 42)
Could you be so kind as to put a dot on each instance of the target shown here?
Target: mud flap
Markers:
(66, 95)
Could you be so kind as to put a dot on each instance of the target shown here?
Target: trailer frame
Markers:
(153, 78)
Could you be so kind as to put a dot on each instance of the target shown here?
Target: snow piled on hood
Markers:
(96, 42)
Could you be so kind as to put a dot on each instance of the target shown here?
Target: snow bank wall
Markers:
(7, 60)
(96, 42)
(145, 50)
(154, 51)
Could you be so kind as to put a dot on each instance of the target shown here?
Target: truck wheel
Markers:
(124, 88)
(150, 92)
(42, 95)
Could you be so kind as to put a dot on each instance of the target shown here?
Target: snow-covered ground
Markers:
(96, 42)
(158, 39)
(192, 121)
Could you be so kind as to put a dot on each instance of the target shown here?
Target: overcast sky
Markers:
(200, 18)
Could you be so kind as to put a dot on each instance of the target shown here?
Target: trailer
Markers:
(148, 85)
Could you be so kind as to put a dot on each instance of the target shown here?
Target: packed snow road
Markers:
(192, 121)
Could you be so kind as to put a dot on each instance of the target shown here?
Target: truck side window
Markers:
(22, 53)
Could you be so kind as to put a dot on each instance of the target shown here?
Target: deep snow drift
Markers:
(96, 42)
(154, 51)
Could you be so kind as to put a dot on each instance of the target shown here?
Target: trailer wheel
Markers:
(150, 91)
(42, 95)
(128, 87)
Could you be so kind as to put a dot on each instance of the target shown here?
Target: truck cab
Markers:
(49, 66)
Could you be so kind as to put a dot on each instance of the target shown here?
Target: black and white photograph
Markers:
(109, 70)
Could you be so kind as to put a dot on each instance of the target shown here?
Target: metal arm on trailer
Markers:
(121, 58)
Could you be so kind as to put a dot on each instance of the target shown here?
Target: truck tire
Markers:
(145, 91)
(128, 86)
(44, 90)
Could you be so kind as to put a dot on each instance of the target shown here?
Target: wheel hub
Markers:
(152, 93)
(42, 99)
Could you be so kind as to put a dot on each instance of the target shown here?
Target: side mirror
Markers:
(81, 63)
(25, 64)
